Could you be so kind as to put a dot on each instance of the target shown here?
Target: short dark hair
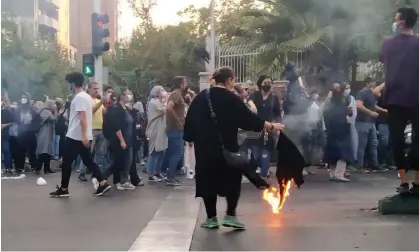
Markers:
(75, 78)
(92, 84)
(409, 15)
(108, 87)
(368, 80)
(221, 75)
(239, 88)
(261, 79)
(178, 81)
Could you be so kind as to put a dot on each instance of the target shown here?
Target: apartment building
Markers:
(44, 19)
(80, 25)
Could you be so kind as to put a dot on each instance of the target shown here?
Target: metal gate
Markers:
(244, 61)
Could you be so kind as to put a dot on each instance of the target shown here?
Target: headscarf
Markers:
(153, 93)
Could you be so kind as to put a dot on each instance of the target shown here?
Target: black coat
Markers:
(213, 175)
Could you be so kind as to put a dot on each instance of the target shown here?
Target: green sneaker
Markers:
(231, 221)
(210, 223)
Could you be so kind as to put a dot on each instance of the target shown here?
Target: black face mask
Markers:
(266, 88)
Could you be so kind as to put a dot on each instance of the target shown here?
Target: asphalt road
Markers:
(319, 216)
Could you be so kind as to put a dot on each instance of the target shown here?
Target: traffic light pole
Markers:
(98, 59)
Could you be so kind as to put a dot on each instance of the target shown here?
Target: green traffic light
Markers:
(88, 71)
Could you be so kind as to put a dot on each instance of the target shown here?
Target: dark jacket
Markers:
(116, 120)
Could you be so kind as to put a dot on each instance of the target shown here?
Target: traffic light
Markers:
(99, 33)
(89, 65)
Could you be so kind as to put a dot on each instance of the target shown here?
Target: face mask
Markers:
(266, 88)
(24, 101)
(395, 28)
(346, 92)
(315, 96)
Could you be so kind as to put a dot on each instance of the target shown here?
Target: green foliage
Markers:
(34, 66)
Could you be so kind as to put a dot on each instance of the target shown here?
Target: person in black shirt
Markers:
(118, 130)
(136, 143)
(366, 104)
(7, 119)
(269, 109)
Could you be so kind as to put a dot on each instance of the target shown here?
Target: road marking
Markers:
(173, 225)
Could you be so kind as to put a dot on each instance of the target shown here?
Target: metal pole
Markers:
(213, 40)
(98, 59)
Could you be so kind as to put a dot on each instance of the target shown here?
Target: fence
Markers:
(244, 61)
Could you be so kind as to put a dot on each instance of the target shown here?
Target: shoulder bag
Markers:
(237, 160)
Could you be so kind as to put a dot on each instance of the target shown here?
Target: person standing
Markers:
(120, 140)
(7, 120)
(400, 55)
(366, 104)
(45, 136)
(209, 136)
(175, 120)
(78, 138)
(269, 109)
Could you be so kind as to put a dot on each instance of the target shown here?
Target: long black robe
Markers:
(212, 174)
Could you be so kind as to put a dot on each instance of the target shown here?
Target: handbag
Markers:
(237, 160)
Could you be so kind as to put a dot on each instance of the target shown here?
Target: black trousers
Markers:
(133, 174)
(211, 205)
(73, 149)
(24, 145)
(44, 159)
(398, 118)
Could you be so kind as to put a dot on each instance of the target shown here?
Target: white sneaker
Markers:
(305, 172)
(120, 187)
(142, 163)
(258, 170)
(95, 183)
(128, 186)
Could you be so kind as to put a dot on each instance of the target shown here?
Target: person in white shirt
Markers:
(78, 138)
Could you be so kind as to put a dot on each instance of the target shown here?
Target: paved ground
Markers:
(320, 216)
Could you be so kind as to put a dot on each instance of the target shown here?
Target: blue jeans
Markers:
(56, 147)
(367, 135)
(262, 157)
(155, 162)
(384, 148)
(174, 151)
(7, 154)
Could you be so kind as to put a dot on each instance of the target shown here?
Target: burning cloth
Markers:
(290, 162)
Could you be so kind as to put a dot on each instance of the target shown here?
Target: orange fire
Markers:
(276, 198)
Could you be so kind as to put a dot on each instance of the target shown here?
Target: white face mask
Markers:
(315, 97)
(346, 92)
(23, 100)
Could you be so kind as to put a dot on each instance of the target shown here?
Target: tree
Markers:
(348, 32)
(35, 66)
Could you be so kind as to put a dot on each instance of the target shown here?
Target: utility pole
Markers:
(212, 37)
(98, 58)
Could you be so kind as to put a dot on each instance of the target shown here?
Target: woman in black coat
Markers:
(213, 175)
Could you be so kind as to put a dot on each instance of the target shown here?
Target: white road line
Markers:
(173, 225)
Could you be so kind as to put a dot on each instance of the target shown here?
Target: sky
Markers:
(165, 13)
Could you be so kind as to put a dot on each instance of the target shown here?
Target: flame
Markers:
(276, 198)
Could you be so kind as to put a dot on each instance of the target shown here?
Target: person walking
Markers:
(78, 138)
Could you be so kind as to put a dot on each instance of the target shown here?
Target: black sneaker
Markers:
(138, 182)
(102, 189)
(172, 182)
(60, 193)
(82, 177)
(159, 175)
(403, 189)
(154, 178)
(415, 189)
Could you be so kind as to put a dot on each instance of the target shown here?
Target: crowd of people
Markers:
(110, 133)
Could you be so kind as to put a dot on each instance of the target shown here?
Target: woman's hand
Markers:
(278, 126)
